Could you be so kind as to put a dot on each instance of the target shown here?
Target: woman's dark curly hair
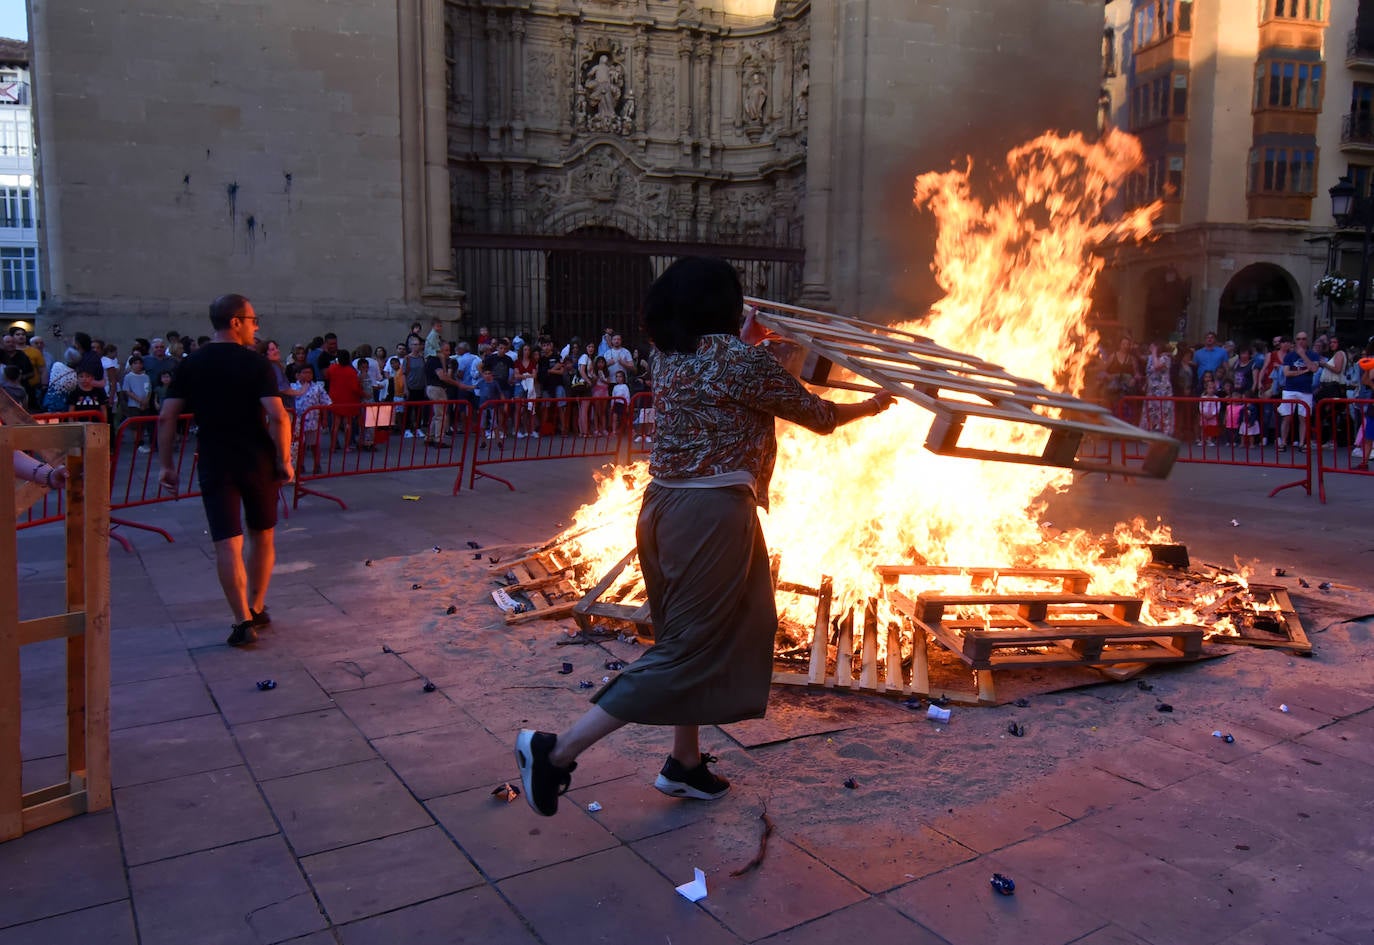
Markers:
(695, 296)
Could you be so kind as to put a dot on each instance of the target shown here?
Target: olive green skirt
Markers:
(706, 569)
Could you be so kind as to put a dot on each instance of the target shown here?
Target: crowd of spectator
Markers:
(575, 388)
(1220, 384)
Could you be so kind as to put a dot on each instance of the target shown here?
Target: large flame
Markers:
(1018, 274)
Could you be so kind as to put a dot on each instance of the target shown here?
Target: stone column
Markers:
(425, 196)
(517, 80)
(684, 92)
(493, 71)
(703, 87)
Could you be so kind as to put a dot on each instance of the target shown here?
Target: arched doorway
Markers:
(1166, 304)
(596, 286)
(1258, 302)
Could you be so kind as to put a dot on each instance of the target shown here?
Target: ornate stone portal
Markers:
(663, 120)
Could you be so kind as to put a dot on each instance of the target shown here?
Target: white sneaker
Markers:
(534, 436)
(410, 434)
(145, 449)
(639, 439)
(521, 436)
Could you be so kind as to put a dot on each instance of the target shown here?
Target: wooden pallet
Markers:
(635, 613)
(1287, 619)
(956, 387)
(543, 578)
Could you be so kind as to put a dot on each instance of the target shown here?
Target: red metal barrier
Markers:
(1235, 431)
(329, 445)
(53, 506)
(1350, 450)
(135, 468)
(642, 425)
(508, 431)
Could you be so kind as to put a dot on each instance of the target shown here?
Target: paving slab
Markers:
(446, 760)
(171, 749)
(1152, 763)
(158, 700)
(480, 913)
(397, 707)
(196, 812)
(1078, 789)
(294, 744)
(792, 887)
(626, 900)
(632, 809)
(960, 906)
(1300, 890)
(378, 876)
(1136, 891)
(994, 824)
(240, 700)
(144, 666)
(358, 670)
(37, 878)
(867, 921)
(338, 806)
(879, 854)
(504, 839)
(110, 924)
(243, 894)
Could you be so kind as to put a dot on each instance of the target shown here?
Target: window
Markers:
(1282, 84)
(1295, 9)
(16, 134)
(1283, 171)
(1158, 99)
(1160, 19)
(1160, 178)
(16, 207)
(18, 274)
(1361, 175)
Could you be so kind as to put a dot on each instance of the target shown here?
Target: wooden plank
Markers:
(932, 606)
(52, 627)
(604, 584)
(95, 538)
(546, 613)
(892, 665)
(11, 759)
(78, 564)
(844, 653)
(820, 636)
(62, 808)
(868, 665)
(1071, 580)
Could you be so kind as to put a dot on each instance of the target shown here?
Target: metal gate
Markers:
(593, 278)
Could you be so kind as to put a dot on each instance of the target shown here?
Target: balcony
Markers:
(1357, 133)
(1359, 50)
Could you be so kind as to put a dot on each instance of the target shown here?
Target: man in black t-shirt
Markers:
(244, 446)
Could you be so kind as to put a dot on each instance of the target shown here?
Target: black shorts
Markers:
(232, 497)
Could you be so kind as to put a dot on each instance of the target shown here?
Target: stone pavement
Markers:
(347, 805)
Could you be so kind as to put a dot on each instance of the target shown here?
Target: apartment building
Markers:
(1249, 112)
(19, 281)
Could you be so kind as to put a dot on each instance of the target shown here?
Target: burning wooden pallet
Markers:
(1279, 628)
(544, 579)
(957, 387)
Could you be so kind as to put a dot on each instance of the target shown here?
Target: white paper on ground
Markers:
(696, 889)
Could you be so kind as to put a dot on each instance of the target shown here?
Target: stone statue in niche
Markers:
(756, 96)
(602, 104)
(803, 105)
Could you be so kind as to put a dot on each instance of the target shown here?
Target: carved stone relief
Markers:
(601, 102)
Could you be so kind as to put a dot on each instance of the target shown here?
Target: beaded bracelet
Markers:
(48, 481)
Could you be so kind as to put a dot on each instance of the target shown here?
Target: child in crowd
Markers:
(88, 394)
(1209, 411)
(11, 385)
(369, 422)
(137, 388)
(164, 380)
(311, 394)
(1230, 415)
(488, 390)
(620, 403)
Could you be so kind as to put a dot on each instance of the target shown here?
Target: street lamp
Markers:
(1353, 209)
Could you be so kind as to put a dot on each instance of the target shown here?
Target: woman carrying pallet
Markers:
(705, 564)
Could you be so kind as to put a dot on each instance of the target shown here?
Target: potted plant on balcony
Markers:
(1338, 289)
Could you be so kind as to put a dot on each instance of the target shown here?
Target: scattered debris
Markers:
(1235, 524)
(1164, 707)
(1283, 708)
(494, 559)
(1302, 582)
(265, 684)
(415, 587)
(387, 649)
(1022, 703)
(411, 498)
(594, 806)
(473, 544)
(757, 861)
(1324, 586)
(851, 783)
(1143, 686)
(429, 686)
(367, 563)
(1280, 572)
(614, 665)
(937, 713)
(913, 702)
(506, 792)
(1004, 885)
(436, 549)
(585, 684)
(566, 669)
(1017, 729)
(694, 891)
(452, 609)
(1227, 737)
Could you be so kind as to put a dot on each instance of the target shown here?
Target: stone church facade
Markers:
(518, 163)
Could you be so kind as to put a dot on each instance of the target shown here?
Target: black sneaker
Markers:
(259, 618)
(544, 782)
(242, 634)
(677, 781)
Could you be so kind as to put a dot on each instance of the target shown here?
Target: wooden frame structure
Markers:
(84, 625)
(956, 387)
